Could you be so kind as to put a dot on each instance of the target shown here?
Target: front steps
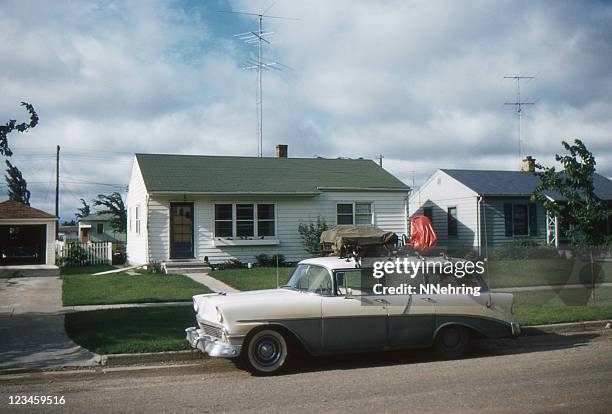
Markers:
(186, 266)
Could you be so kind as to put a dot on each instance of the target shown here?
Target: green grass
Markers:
(562, 305)
(534, 272)
(253, 279)
(123, 288)
(85, 270)
(528, 315)
(131, 330)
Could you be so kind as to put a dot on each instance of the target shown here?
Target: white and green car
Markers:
(328, 307)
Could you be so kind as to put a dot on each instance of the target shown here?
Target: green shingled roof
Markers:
(213, 174)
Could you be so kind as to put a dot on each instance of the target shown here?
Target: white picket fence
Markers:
(86, 253)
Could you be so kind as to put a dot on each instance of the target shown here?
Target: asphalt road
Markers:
(549, 373)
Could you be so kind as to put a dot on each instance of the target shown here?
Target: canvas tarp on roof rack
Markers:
(365, 241)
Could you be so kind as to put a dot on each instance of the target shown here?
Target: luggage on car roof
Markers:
(364, 241)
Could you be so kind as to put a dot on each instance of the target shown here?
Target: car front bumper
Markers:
(214, 347)
(516, 328)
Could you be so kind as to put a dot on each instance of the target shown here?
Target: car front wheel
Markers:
(267, 352)
(452, 342)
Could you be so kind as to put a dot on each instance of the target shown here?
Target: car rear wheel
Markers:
(452, 342)
(267, 352)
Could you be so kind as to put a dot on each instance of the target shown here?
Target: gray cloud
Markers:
(420, 82)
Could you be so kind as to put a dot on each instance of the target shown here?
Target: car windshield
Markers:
(309, 278)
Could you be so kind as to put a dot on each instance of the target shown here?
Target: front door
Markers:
(181, 231)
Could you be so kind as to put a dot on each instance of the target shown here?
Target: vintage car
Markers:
(329, 306)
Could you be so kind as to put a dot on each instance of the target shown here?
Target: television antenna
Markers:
(258, 38)
(518, 104)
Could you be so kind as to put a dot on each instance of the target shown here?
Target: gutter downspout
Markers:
(486, 251)
(148, 259)
(479, 223)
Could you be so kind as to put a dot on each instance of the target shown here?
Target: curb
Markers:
(571, 327)
(115, 360)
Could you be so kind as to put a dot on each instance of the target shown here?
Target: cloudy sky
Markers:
(421, 82)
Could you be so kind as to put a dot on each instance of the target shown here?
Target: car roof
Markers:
(331, 263)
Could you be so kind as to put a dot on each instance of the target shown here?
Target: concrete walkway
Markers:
(212, 283)
(549, 287)
(32, 327)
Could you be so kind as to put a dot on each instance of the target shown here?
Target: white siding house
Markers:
(480, 209)
(184, 207)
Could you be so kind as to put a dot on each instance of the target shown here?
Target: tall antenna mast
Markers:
(259, 38)
(518, 104)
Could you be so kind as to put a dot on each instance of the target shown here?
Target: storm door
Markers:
(181, 231)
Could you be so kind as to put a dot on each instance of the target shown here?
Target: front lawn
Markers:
(253, 279)
(130, 330)
(124, 288)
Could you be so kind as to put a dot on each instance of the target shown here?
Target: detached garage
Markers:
(27, 239)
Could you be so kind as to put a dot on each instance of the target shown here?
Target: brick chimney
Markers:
(528, 164)
(281, 151)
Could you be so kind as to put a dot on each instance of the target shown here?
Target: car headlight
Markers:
(219, 315)
(195, 306)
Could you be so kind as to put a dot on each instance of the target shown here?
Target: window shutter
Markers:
(533, 220)
(508, 218)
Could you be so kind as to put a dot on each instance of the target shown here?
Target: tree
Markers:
(12, 125)
(311, 235)
(583, 210)
(113, 204)
(17, 185)
(69, 223)
(84, 210)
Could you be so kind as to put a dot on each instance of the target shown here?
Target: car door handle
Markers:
(428, 299)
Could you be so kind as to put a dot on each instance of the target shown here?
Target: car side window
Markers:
(359, 281)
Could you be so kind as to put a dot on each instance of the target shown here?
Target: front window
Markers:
(309, 278)
(452, 221)
(358, 214)
(245, 220)
(520, 220)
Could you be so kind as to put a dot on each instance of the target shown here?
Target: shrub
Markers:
(230, 264)
(119, 254)
(311, 235)
(524, 249)
(75, 256)
(263, 260)
(155, 267)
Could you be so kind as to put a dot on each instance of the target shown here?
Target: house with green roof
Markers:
(192, 207)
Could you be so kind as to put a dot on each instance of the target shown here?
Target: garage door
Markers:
(23, 244)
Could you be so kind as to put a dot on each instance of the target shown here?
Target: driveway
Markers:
(32, 326)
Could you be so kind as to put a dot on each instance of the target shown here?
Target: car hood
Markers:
(256, 305)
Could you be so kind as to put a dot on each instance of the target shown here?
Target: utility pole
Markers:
(57, 176)
(518, 104)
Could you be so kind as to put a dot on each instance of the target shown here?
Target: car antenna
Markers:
(276, 270)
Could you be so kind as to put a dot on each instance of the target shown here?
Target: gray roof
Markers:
(98, 217)
(261, 175)
(516, 183)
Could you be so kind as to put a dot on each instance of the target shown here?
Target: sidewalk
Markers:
(32, 327)
(79, 308)
(548, 287)
(210, 282)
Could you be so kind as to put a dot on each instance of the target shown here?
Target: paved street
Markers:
(531, 374)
